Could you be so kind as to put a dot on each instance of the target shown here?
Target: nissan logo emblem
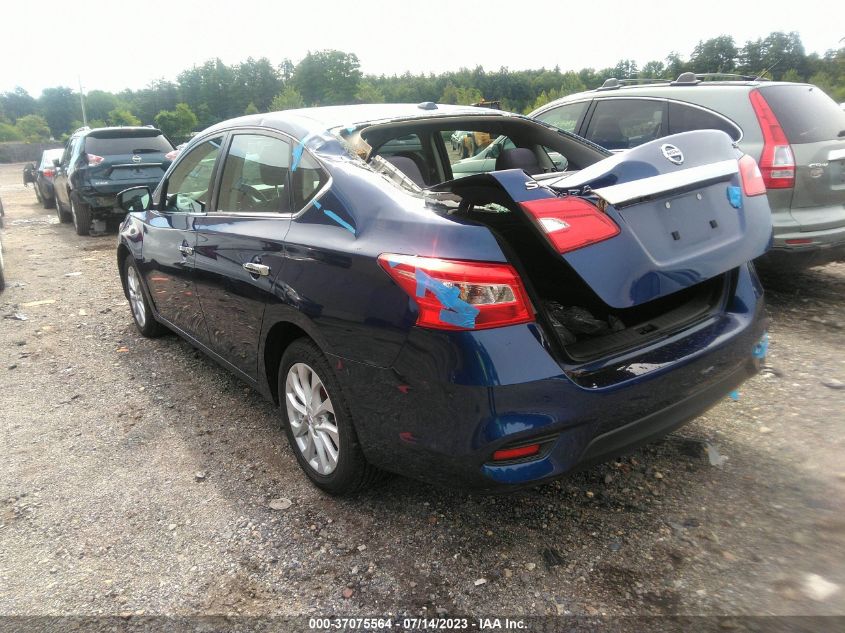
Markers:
(672, 153)
(137, 159)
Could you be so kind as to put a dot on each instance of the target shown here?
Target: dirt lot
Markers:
(136, 474)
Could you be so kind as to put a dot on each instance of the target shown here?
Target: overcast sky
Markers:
(116, 45)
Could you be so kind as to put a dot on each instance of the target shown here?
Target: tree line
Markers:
(206, 94)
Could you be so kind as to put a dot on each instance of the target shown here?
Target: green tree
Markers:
(17, 104)
(177, 123)
(653, 70)
(287, 99)
(99, 103)
(369, 93)
(716, 55)
(33, 128)
(60, 107)
(9, 132)
(251, 108)
(121, 116)
(327, 77)
(257, 82)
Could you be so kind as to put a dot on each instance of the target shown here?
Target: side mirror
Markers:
(135, 199)
(57, 162)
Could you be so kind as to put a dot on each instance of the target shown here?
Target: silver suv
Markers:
(795, 131)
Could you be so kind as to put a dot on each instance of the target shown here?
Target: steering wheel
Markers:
(255, 194)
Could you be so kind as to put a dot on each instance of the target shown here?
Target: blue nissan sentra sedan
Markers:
(492, 331)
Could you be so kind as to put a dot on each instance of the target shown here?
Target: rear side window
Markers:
(565, 117)
(684, 118)
(625, 123)
(255, 175)
(127, 145)
(806, 113)
(308, 178)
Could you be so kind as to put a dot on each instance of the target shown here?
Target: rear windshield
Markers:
(127, 145)
(806, 114)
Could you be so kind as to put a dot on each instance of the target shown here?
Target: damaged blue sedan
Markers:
(492, 331)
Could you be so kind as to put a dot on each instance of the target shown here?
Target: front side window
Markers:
(189, 185)
(625, 123)
(256, 175)
(564, 117)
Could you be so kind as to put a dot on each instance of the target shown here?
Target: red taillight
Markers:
(752, 179)
(48, 173)
(94, 160)
(570, 223)
(777, 164)
(507, 454)
(172, 154)
(460, 295)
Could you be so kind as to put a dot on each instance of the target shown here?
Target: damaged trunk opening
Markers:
(584, 326)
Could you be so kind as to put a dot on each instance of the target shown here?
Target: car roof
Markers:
(307, 121)
(613, 87)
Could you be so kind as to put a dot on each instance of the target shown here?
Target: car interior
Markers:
(419, 151)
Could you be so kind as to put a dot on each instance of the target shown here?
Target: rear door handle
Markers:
(257, 269)
(186, 250)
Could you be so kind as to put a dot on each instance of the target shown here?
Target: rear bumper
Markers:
(452, 399)
(802, 244)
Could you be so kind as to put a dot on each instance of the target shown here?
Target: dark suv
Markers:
(97, 164)
(794, 131)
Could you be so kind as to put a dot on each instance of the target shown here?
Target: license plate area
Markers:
(674, 228)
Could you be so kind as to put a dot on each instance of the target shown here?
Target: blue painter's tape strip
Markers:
(735, 196)
(455, 310)
(334, 216)
(734, 395)
(297, 152)
(317, 204)
(761, 349)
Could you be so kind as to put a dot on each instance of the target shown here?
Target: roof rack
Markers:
(613, 83)
(690, 79)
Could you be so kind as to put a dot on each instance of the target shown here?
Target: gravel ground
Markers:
(136, 478)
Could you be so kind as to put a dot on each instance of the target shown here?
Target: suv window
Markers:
(626, 123)
(308, 179)
(565, 117)
(256, 175)
(189, 184)
(806, 114)
(129, 144)
(684, 118)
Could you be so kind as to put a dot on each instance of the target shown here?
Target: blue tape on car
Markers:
(762, 347)
(297, 152)
(734, 395)
(334, 216)
(735, 196)
(455, 311)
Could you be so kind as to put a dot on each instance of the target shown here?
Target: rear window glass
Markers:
(127, 145)
(805, 113)
(683, 118)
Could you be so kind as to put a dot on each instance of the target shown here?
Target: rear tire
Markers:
(316, 415)
(81, 214)
(139, 304)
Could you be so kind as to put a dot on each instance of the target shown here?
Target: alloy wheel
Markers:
(312, 419)
(136, 298)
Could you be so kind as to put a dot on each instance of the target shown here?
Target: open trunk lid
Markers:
(681, 212)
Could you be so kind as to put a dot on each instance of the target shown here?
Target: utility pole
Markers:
(82, 102)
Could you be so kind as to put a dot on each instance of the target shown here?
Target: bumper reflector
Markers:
(507, 454)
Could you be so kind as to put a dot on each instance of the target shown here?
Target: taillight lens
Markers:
(94, 160)
(460, 295)
(172, 154)
(752, 179)
(48, 173)
(777, 164)
(570, 223)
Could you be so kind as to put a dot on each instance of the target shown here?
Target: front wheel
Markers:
(141, 311)
(318, 423)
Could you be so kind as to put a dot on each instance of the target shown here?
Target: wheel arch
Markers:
(281, 332)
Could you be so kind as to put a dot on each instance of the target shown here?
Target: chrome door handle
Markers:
(257, 269)
(186, 250)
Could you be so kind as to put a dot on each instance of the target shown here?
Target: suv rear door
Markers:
(815, 128)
